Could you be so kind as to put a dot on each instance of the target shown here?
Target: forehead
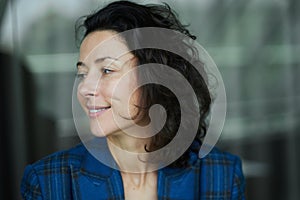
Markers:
(99, 44)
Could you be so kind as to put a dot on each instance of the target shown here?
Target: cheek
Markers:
(135, 93)
(127, 96)
(126, 89)
(106, 91)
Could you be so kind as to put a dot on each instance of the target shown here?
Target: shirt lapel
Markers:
(95, 180)
(180, 183)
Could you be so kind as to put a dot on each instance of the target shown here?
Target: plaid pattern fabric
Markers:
(76, 174)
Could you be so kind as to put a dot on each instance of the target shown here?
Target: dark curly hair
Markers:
(121, 16)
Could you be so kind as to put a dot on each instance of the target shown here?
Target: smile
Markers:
(95, 112)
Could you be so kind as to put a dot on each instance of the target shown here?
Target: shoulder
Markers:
(221, 173)
(221, 164)
(218, 157)
(57, 166)
(60, 160)
(63, 158)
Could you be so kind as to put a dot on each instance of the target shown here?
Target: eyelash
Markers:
(106, 71)
(83, 75)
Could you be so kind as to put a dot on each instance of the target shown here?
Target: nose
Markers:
(89, 87)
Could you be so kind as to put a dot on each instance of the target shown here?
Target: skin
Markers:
(100, 72)
(105, 83)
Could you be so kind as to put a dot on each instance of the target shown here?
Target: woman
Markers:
(118, 91)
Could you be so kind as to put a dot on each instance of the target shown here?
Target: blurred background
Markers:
(255, 44)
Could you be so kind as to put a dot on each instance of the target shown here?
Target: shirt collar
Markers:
(98, 161)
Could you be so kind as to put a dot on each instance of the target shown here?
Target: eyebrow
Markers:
(80, 63)
(104, 58)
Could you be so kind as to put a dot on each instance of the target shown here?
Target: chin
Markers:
(96, 129)
(102, 131)
(98, 133)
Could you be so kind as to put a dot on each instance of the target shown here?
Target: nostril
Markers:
(90, 92)
(87, 89)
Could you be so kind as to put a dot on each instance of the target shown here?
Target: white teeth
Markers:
(94, 111)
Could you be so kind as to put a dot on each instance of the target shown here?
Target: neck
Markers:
(130, 154)
(139, 180)
(125, 142)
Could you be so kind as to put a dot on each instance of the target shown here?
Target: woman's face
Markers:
(106, 90)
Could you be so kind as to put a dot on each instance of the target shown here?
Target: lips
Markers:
(95, 111)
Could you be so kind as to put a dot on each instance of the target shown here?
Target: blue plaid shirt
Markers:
(76, 174)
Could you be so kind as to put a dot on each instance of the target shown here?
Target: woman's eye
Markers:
(107, 71)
